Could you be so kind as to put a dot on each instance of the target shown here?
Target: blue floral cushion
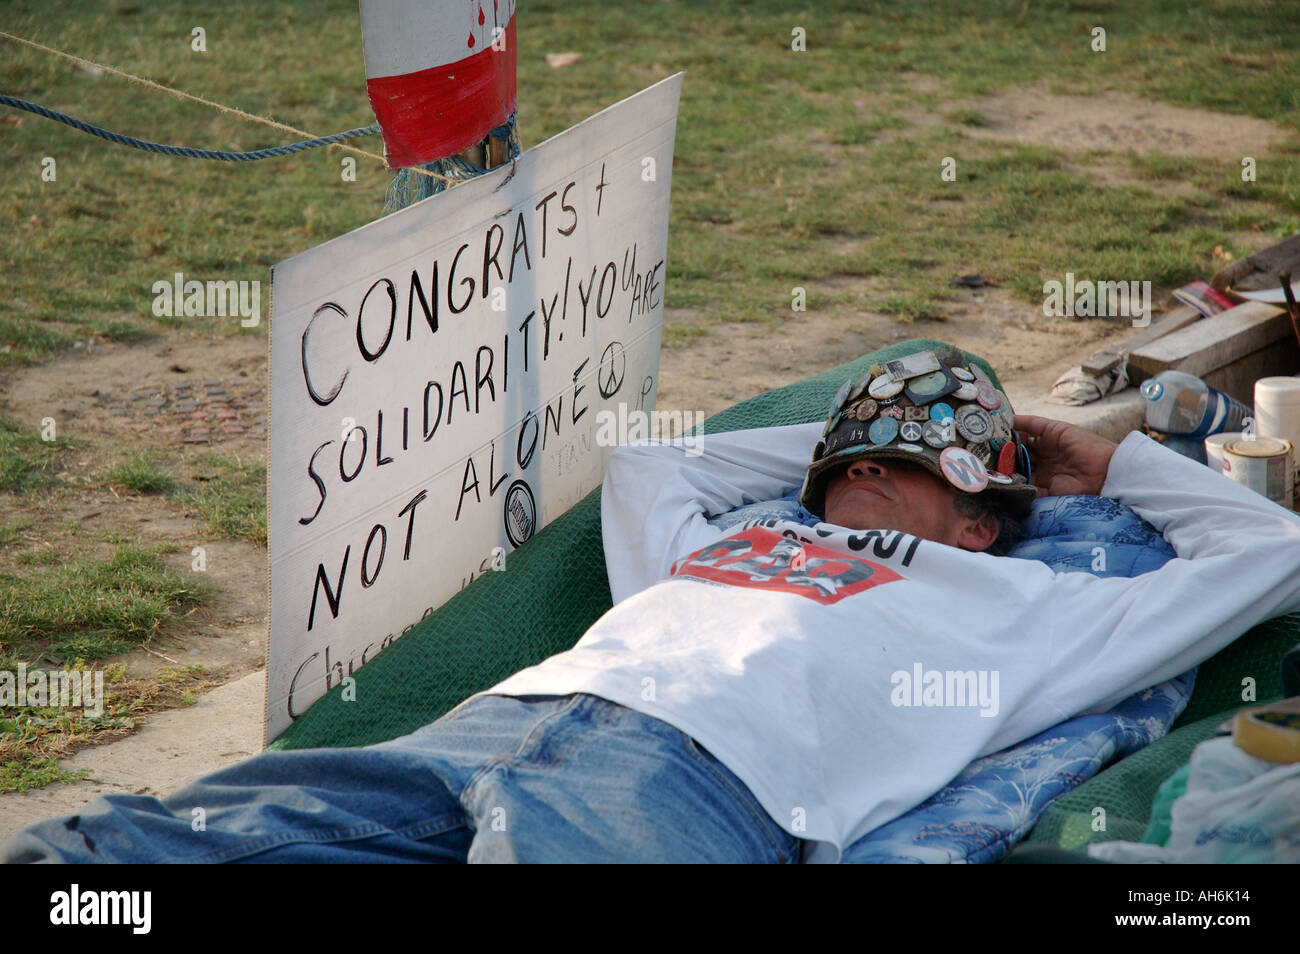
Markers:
(1064, 533)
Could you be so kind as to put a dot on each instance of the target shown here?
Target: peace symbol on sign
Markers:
(613, 366)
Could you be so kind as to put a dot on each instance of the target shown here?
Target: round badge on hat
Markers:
(989, 397)
(883, 430)
(1007, 459)
(841, 396)
(910, 431)
(866, 410)
(974, 423)
(996, 478)
(963, 470)
(1001, 433)
(914, 448)
(860, 387)
(967, 392)
(928, 384)
(961, 374)
(884, 387)
(937, 433)
(1004, 409)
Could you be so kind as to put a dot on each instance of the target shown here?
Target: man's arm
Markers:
(1238, 564)
(656, 498)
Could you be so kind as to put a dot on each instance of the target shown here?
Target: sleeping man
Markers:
(773, 691)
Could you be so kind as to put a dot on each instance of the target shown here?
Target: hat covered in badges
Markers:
(932, 408)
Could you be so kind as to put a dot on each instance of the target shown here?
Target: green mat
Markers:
(554, 589)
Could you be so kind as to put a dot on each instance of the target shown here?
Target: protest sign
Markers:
(436, 378)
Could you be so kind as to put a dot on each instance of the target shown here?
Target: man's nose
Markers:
(864, 468)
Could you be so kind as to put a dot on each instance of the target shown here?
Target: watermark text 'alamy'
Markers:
(1089, 299)
(194, 299)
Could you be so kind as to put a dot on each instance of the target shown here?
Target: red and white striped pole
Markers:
(441, 77)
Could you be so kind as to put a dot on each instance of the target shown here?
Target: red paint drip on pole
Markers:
(431, 99)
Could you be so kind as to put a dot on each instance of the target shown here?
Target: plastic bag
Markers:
(1238, 809)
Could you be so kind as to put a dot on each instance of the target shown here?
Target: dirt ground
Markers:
(90, 393)
(1121, 123)
(740, 359)
(102, 396)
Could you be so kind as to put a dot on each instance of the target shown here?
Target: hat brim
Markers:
(813, 495)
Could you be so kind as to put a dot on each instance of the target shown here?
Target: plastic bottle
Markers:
(1181, 403)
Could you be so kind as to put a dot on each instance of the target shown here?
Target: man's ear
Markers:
(978, 533)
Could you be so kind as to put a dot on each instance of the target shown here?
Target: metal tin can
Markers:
(1262, 464)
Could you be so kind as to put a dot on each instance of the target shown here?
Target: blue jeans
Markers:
(498, 779)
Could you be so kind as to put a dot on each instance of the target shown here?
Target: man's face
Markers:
(891, 494)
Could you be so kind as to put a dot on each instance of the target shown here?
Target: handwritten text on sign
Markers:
(436, 377)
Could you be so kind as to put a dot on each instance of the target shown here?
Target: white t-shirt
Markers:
(845, 676)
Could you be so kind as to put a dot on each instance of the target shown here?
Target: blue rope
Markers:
(186, 151)
(408, 186)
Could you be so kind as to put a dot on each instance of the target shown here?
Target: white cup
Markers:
(1214, 449)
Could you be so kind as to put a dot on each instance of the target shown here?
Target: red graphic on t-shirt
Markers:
(769, 561)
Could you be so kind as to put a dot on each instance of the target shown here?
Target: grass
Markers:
(230, 496)
(968, 117)
(909, 308)
(48, 557)
(125, 332)
(28, 462)
(778, 152)
(92, 609)
(33, 738)
(140, 472)
(675, 336)
(14, 531)
(28, 771)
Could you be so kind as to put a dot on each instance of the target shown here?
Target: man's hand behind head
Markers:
(1066, 458)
